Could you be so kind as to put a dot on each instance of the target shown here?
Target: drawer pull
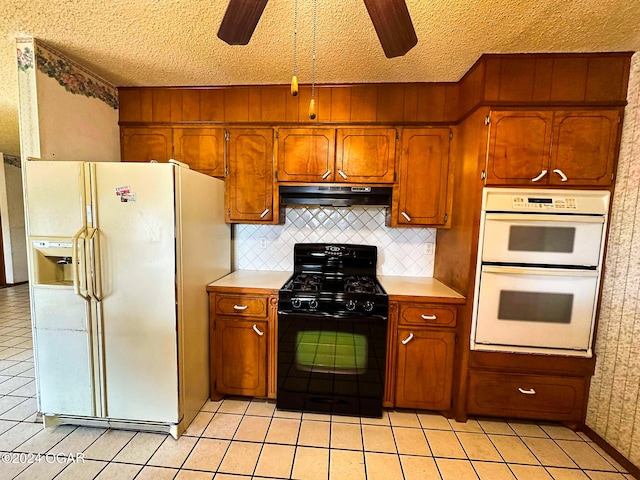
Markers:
(240, 307)
(264, 214)
(407, 217)
(326, 174)
(531, 391)
(408, 339)
(428, 317)
(257, 330)
(342, 174)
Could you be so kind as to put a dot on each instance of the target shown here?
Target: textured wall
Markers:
(401, 251)
(12, 216)
(614, 402)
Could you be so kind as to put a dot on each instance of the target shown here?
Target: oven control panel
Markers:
(524, 202)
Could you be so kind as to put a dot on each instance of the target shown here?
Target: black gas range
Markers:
(332, 330)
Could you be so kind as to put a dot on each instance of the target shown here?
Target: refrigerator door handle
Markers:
(79, 280)
(95, 290)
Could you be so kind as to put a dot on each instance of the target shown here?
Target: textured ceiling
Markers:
(174, 42)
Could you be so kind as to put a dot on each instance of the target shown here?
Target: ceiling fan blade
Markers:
(240, 21)
(393, 25)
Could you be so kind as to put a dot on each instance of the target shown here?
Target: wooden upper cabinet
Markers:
(249, 185)
(420, 195)
(201, 148)
(145, 144)
(558, 148)
(584, 147)
(519, 145)
(306, 154)
(365, 155)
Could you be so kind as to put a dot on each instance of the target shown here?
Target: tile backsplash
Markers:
(401, 251)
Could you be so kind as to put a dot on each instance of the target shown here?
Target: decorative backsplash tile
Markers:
(401, 251)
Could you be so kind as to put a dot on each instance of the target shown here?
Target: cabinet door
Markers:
(424, 368)
(365, 155)
(241, 356)
(584, 147)
(306, 154)
(519, 148)
(200, 148)
(421, 191)
(141, 144)
(249, 186)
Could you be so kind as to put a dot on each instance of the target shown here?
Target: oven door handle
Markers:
(533, 218)
(551, 271)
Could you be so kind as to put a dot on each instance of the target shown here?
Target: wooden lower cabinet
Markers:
(421, 353)
(537, 387)
(243, 334)
(424, 368)
(545, 397)
(241, 356)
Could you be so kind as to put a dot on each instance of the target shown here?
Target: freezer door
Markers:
(62, 351)
(55, 198)
(135, 286)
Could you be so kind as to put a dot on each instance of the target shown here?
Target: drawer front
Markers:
(542, 397)
(244, 305)
(424, 314)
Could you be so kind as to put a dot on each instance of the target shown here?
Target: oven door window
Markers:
(340, 353)
(542, 239)
(538, 308)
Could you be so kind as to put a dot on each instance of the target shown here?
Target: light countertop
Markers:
(266, 279)
(418, 287)
(397, 286)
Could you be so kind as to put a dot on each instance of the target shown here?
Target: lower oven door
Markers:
(331, 365)
(538, 310)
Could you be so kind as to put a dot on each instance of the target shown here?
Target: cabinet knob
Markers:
(531, 391)
(561, 174)
(408, 339)
(240, 307)
(257, 330)
(407, 217)
(428, 317)
(540, 176)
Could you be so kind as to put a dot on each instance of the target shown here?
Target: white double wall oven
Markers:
(539, 269)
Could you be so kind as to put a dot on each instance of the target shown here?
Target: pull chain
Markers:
(312, 104)
(294, 79)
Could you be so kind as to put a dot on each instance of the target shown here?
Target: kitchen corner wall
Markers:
(614, 400)
(66, 111)
(401, 251)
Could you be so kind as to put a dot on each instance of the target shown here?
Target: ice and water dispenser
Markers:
(53, 262)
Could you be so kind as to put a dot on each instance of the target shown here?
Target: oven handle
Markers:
(546, 217)
(550, 271)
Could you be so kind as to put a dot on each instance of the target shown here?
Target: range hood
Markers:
(335, 196)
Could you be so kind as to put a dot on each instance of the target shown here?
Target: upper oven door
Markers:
(534, 309)
(543, 239)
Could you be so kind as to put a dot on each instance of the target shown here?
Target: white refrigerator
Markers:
(119, 258)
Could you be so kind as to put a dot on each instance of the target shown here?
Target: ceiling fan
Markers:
(390, 19)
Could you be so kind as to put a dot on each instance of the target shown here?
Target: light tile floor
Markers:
(242, 439)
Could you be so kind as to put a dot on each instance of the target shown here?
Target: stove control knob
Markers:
(313, 304)
(368, 306)
(351, 305)
(296, 303)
